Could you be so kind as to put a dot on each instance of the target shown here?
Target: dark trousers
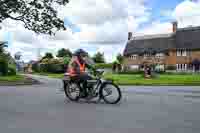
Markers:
(82, 79)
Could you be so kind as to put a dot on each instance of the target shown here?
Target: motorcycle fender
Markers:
(104, 82)
(66, 81)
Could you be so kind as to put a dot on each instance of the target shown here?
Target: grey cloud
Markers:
(108, 17)
(98, 12)
(117, 42)
(61, 35)
(24, 36)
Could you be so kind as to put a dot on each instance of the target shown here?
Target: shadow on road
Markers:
(67, 101)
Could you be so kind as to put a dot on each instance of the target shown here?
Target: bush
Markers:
(11, 70)
(52, 68)
(57, 68)
(36, 67)
(171, 67)
(44, 68)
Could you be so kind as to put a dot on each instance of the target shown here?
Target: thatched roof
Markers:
(150, 45)
(187, 38)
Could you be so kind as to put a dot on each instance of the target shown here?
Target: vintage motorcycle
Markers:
(96, 88)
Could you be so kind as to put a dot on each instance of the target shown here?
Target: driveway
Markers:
(44, 109)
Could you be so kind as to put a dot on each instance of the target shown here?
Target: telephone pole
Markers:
(39, 54)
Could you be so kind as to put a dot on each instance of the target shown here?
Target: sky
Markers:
(102, 26)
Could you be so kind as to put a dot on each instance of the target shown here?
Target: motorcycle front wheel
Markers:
(110, 93)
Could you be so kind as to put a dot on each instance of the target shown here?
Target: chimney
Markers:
(129, 35)
(175, 26)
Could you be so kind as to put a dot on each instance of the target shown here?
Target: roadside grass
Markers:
(137, 79)
(162, 79)
(52, 75)
(13, 78)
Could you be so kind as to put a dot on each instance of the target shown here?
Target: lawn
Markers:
(162, 79)
(17, 80)
(136, 79)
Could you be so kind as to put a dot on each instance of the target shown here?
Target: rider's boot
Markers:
(83, 92)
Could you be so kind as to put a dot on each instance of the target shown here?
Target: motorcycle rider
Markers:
(77, 70)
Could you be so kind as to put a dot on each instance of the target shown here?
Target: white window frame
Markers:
(178, 52)
(181, 67)
(184, 52)
(146, 55)
(160, 67)
(134, 67)
(134, 56)
(159, 55)
(181, 52)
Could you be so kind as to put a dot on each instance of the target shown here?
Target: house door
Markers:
(196, 67)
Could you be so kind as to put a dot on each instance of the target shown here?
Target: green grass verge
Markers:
(55, 75)
(137, 79)
(14, 78)
(163, 79)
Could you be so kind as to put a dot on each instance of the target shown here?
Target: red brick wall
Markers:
(171, 59)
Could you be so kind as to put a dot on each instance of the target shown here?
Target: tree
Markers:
(3, 60)
(120, 58)
(2, 45)
(99, 58)
(39, 16)
(48, 56)
(66, 60)
(64, 52)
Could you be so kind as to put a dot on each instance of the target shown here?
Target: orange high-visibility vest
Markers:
(72, 72)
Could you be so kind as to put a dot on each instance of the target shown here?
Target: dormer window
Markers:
(159, 55)
(134, 56)
(181, 52)
(147, 55)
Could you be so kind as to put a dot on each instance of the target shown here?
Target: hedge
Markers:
(3, 66)
(170, 67)
(36, 67)
(12, 70)
(103, 65)
(52, 68)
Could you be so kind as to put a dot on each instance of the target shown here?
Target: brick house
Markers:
(179, 49)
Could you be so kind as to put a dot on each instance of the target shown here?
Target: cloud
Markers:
(111, 51)
(166, 13)
(104, 25)
(1, 35)
(61, 36)
(95, 12)
(156, 28)
(187, 13)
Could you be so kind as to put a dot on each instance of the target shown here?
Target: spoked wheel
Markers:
(111, 93)
(72, 91)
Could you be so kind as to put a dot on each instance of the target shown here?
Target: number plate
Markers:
(66, 78)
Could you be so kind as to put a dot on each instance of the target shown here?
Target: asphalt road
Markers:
(44, 109)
